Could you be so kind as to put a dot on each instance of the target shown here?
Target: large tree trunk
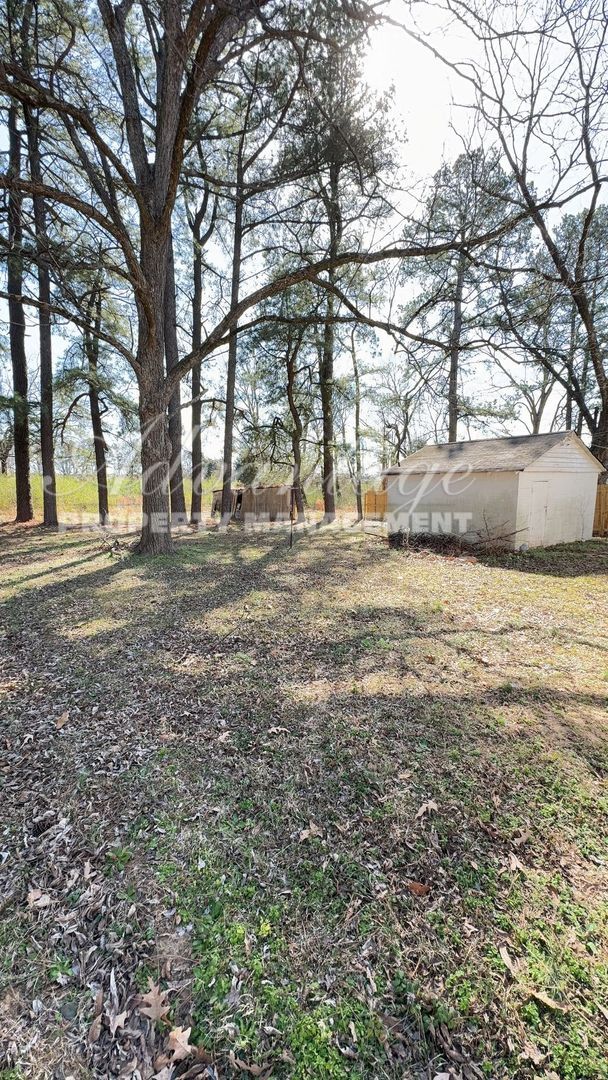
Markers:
(155, 454)
(296, 434)
(326, 380)
(326, 369)
(599, 439)
(21, 431)
(232, 355)
(176, 480)
(455, 344)
(571, 356)
(91, 344)
(197, 450)
(47, 447)
(153, 421)
(358, 440)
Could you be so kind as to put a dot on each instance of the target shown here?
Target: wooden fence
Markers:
(600, 521)
(374, 505)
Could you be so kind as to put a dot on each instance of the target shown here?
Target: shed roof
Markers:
(512, 454)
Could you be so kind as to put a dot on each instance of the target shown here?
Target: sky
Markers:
(423, 94)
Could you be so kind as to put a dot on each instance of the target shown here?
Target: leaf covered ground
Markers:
(335, 812)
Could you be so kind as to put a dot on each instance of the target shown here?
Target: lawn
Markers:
(77, 497)
(330, 812)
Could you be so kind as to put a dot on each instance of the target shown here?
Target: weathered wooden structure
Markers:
(374, 505)
(268, 502)
(600, 520)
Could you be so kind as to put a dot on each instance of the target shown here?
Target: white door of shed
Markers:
(538, 513)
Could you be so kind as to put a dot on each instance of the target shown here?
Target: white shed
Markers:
(532, 490)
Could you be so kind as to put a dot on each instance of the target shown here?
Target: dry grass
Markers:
(345, 805)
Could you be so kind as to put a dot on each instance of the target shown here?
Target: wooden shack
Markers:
(216, 500)
(269, 502)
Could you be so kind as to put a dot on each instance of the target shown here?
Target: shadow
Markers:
(229, 709)
(588, 559)
(59, 567)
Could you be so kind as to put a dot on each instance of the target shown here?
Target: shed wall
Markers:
(428, 502)
(266, 504)
(569, 456)
(571, 496)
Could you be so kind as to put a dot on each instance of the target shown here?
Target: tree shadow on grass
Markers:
(586, 559)
(227, 762)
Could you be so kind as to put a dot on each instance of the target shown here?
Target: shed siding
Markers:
(565, 458)
(571, 499)
(490, 498)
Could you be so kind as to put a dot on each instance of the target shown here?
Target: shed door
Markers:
(538, 513)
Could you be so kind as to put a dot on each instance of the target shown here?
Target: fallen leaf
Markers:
(506, 959)
(179, 1043)
(117, 1022)
(312, 830)
(515, 864)
(154, 1002)
(549, 1001)
(62, 720)
(95, 1030)
(531, 1053)
(427, 808)
(238, 1063)
(37, 899)
(417, 888)
(161, 1061)
(524, 835)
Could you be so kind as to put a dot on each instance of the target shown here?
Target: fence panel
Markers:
(374, 505)
(600, 521)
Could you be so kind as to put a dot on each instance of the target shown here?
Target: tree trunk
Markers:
(232, 355)
(21, 429)
(47, 448)
(326, 368)
(155, 454)
(91, 344)
(358, 442)
(455, 341)
(583, 382)
(571, 355)
(296, 434)
(197, 453)
(326, 380)
(153, 420)
(176, 478)
(599, 439)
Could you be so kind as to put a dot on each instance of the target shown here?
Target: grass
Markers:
(77, 497)
(345, 805)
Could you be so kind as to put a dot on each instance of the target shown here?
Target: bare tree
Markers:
(120, 154)
(539, 75)
(21, 432)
